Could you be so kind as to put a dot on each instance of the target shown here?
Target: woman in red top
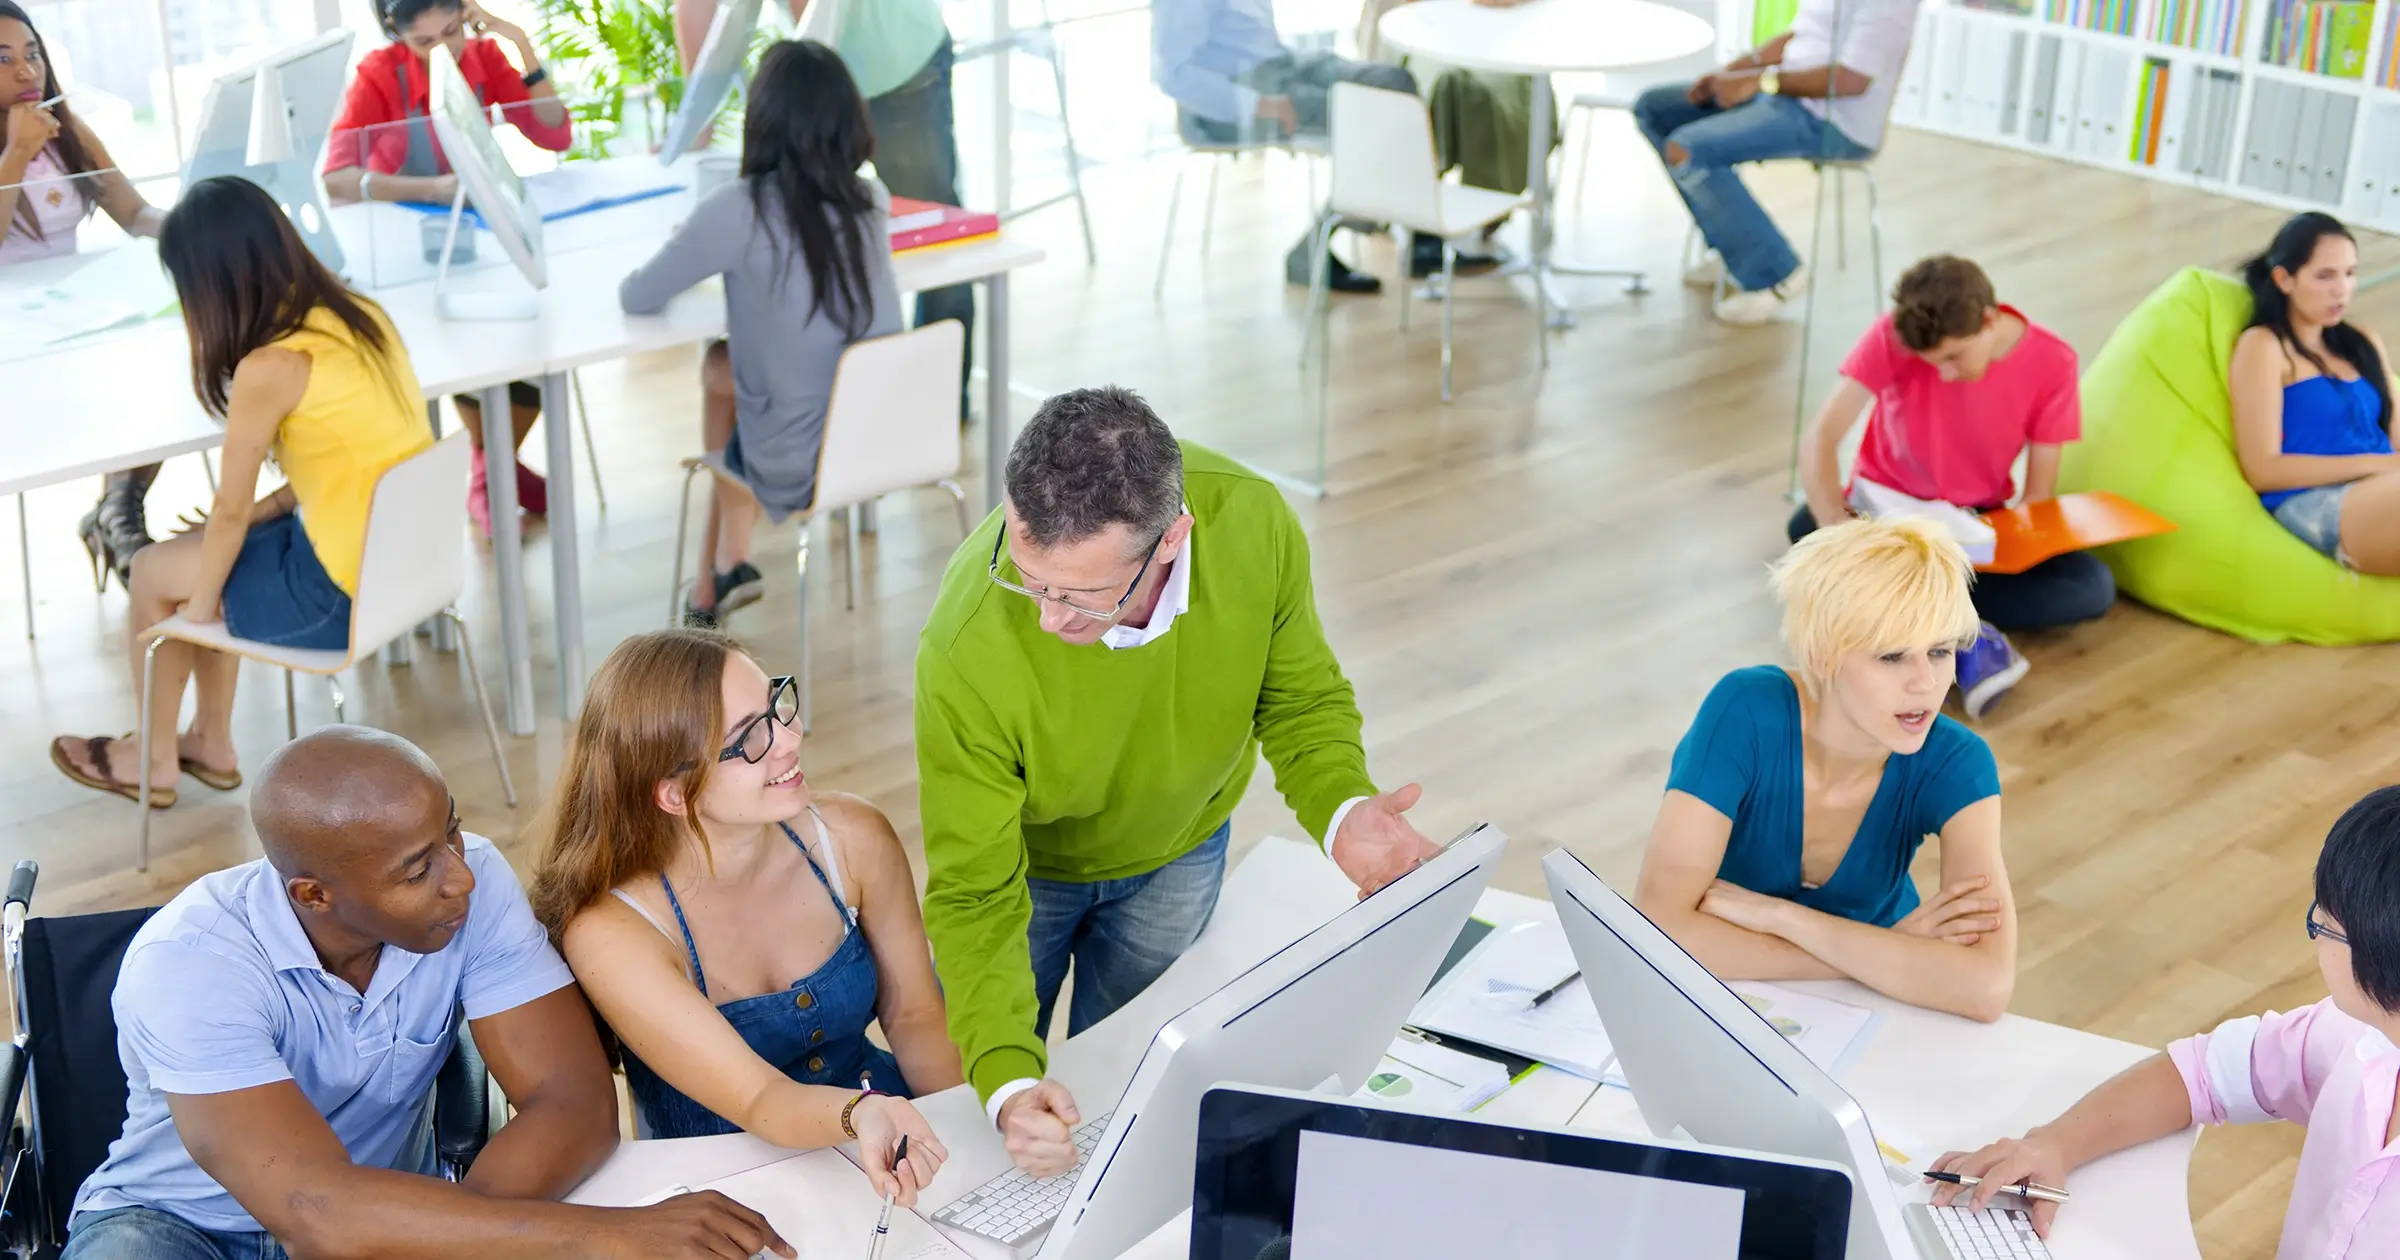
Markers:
(383, 149)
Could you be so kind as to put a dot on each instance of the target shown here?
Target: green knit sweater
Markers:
(1093, 763)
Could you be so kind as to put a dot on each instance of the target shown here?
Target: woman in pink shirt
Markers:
(2331, 1067)
(53, 173)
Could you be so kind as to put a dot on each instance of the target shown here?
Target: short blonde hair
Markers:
(1869, 585)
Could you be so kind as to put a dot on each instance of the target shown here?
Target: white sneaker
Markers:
(1752, 307)
(1705, 273)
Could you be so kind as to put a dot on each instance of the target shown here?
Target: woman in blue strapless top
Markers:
(2312, 400)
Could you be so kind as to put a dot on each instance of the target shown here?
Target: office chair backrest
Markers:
(1383, 163)
(415, 563)
(892, 423)
(78, 1082)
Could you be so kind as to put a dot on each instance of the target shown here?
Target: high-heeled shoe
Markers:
(120, 522)
(95, 545)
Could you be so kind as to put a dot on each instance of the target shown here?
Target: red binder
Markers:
(917, 224)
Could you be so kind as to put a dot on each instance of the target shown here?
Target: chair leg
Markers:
(1583, 161)
(591, 451)
(25, 562)
(1541, 322)
(1208, 204)
(1318, 299)
(850, 526)
(1166, 247)
(683, 529)
(1808, 323)
(1841, 220)
(958, 499)
(1066, 129)
(800, 564)
(291, 709)
(1875, 236)
(1408, 254)
(334, 682)
(208, 468)
(141, 844)
(483, 703)
(1449, 273)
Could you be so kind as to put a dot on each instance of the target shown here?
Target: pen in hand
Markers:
(2029, 1189)
(883, 1224)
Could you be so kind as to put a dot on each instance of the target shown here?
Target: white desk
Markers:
(1940, 1078)
(1542, 38)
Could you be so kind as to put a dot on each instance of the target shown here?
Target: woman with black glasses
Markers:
(735, 935)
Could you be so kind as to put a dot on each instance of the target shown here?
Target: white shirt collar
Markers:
(1174, 600)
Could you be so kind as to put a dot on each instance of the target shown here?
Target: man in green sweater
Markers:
(1108, 653)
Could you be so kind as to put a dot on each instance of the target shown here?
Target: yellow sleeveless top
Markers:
(361, 414)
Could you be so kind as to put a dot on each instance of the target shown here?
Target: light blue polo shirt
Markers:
(221, 990)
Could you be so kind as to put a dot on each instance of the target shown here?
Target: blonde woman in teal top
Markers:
(1799, 798)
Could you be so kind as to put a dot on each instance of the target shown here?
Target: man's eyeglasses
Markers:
(1109, 614)
(757, 736)
(2316, 929)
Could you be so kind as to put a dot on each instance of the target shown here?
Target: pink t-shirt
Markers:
(2321, 1069)
(1956, 441)
(58, 206)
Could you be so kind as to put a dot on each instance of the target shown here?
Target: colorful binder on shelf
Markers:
(2027, 535)
(917, 224)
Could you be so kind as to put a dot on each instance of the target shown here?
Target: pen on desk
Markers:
(1553, 991)
(883, 1224)
(2030, 1189)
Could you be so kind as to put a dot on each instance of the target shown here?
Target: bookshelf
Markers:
(2290, 103)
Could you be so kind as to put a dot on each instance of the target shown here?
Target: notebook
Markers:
(917, 224)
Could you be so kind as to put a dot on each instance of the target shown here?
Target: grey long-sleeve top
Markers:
(783, 355)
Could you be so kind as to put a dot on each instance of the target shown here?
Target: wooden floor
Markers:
(1531, 587)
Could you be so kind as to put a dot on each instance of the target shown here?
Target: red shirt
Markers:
(1957, 441)
(391, 84)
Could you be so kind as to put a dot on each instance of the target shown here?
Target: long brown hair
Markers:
(71, 154)
(655, 711)
(247, 280)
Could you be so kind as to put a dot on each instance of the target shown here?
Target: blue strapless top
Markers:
(2325, 415)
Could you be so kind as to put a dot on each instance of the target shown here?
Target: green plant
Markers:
(605, 52)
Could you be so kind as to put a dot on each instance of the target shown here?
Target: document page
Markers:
(822, 1204)
(1361, 1199)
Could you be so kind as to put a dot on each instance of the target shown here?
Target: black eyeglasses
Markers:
(757, 736)
(1111, 614)
(2316, 929)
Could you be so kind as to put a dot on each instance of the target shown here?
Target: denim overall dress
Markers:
(814, 1032)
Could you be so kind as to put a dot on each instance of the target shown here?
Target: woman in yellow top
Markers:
(304, 370)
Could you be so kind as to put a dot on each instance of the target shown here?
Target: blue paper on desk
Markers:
(579, 188)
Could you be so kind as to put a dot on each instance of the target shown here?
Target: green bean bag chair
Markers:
(2158, 429)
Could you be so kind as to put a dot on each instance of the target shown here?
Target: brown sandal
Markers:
(221, 780)
(96, 747)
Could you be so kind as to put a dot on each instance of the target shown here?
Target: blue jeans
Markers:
(140, 1233)
(916, 154)
(1121, 933)
(1714, 141)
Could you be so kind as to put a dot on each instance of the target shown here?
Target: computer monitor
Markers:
(715, 72)
(1705, 1064)
(1321, 1009)
(487, 182)
(1280, 1173)
(311, 78)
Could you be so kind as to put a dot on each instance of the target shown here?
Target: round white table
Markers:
(1541, 38)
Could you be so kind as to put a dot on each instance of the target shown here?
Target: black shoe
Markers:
(1425, 259)
(119, 521)
(1338, 276)
(699, 618)
(739, 587)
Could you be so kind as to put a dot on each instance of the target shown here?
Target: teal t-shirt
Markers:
(1742, 759)
(886, 42)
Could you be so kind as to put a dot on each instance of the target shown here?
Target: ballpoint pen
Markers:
(2029, 1189)
(883, 1224)
(1554, 990)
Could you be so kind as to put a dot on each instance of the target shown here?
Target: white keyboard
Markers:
(1014, 1206)
(1991, 1234)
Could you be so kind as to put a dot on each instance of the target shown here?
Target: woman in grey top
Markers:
(803, 241)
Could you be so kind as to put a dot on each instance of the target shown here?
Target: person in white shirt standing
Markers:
(1820, 90)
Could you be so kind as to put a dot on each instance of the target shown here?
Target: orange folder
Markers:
(2032, 533)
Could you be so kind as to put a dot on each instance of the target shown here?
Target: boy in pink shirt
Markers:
(1960, 386)
(2330, 1067)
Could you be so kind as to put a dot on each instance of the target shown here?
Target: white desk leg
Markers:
(566, 567)
(445, 635)
(508, 556)
(995, 383)
(1537, 186)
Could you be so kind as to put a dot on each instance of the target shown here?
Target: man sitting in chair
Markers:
(281, 1024)
(1819, 91)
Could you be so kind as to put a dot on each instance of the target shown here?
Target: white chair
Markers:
(1619, 89)
(1384, 171)
(891, 425)
(412, 570)
(1218, 153)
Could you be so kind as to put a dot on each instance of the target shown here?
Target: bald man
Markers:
(281, 1024)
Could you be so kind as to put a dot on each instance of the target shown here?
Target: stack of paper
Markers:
(120, 286)
(1423, 1076)
(1487, 999)
(1877, 500)
(1830, 1033)
(822, 1204)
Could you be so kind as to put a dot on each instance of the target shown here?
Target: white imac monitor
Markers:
(486, 181)
(715, 72)
(1324, 1008)
(307, 81)
(1706, 1066)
